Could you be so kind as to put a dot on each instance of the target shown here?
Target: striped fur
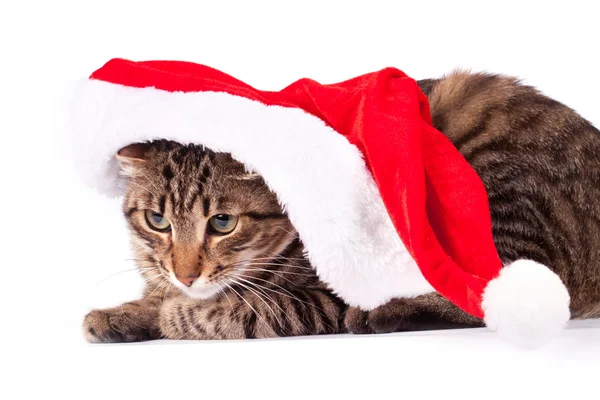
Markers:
(257, 282)
(540, 163)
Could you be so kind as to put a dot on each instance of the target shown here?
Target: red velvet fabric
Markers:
(435, 199)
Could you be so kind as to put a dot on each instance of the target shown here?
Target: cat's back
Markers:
(477, 108)
(540, 163)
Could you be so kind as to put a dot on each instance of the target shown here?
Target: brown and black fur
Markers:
(540, 163)
(264, 286)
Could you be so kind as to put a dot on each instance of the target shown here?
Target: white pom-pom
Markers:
(526, 304)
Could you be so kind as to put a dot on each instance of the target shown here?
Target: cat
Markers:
(540, 163)
(220, 258)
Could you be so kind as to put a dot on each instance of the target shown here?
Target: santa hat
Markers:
(384, 203)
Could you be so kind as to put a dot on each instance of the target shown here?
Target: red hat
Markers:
(383, 202)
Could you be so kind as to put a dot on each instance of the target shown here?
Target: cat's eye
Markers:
(223, 223)
(157, 221)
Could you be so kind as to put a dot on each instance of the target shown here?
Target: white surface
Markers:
(59, 240)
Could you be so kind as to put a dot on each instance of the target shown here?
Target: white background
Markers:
(60, 240)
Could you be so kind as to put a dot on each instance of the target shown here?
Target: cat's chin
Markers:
(202, 293)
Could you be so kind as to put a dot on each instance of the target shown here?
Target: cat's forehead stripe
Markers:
(168, 172)
(192, 202)
(206, 206)
(161, 204)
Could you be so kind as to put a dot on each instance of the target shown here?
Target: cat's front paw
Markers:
(115, 326)
(390, 317)
(395, 316)
(425, 312)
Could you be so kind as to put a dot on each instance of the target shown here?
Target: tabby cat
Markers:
(222, 261)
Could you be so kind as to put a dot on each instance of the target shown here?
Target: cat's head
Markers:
(197, 218)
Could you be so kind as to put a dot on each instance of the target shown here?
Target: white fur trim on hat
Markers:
(320, 178)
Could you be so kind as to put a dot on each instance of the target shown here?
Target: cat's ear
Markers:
(132, 157)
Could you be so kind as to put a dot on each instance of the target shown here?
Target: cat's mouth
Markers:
(199, 289)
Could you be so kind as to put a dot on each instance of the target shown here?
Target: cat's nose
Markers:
(188, 280)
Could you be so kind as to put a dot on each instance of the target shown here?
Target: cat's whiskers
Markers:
(274, 273)
(277, 272)
(231, 288)
(225, 294)
(249, 305)
(152, 278)
(278, 255)
(295, 235)
(266, 281)
(269, 261)
(261, 288)
(274, 257)
(274, 264)
(283, 265)
(253, 267)
(122, 272)
(143, 247)
(289, 294)
(160, 285)
(166, 291)
(260, 297)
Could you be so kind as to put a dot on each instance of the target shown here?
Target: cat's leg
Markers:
(588, 312)
(246, 315)
(185, 318)
(425, 312)
(134, 321)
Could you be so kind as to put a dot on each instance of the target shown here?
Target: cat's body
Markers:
(539, 161)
